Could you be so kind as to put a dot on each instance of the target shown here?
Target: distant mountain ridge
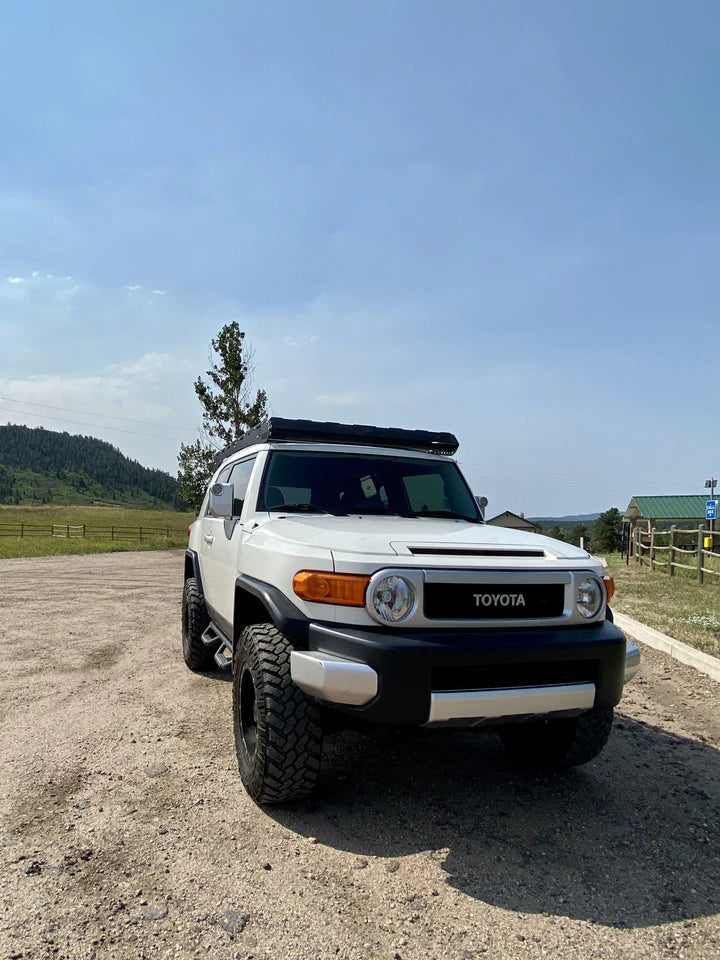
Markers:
(44, 466)
(563, 521)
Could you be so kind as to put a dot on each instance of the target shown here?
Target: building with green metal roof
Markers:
(685, 510)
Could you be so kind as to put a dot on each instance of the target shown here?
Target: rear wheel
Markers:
(278, 735)
(195, 621)
(565, 742)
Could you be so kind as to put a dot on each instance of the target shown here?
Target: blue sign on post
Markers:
(711, 509)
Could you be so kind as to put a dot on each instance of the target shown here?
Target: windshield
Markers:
(341, 484)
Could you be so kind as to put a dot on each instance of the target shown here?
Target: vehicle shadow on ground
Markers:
(630, 840)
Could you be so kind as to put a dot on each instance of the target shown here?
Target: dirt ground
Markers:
(125, 831)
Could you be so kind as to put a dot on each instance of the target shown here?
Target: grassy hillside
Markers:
(40, 466)
(161, 529)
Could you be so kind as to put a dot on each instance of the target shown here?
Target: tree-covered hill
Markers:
(43, 466)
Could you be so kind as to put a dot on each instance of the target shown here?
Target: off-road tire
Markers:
(565, 742)
(195, 620)
(278, 735)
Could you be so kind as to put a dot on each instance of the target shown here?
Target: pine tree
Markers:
(606, 531)
(579, 532)
(229, 410)
(195, 467)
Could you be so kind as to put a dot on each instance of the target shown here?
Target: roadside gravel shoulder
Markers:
(126, 832)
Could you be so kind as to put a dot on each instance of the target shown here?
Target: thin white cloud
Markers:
(147, 367)
(290, 342)
(159, 293)
(16, 279)
(132, 287)
(68, 292)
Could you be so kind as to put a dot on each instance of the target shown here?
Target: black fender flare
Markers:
(192, 569)
(282, 612)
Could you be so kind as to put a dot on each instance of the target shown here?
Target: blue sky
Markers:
(499, 219)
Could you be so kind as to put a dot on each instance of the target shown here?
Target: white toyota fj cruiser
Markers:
(346, 575)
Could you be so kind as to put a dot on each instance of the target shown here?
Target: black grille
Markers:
(488, 601)
(498, 675)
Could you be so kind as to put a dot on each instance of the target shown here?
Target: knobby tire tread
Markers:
(289, 737)
(196, 620)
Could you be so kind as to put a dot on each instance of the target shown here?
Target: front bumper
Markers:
(464, 677)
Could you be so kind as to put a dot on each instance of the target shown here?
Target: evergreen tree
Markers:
(556, 533)
(606, 531)
(195, 467)
(579, 532)
(229, 410)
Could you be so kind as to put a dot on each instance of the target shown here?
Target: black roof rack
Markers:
(313, 431)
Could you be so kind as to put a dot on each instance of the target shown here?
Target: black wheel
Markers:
(566, 742)
(195, 621)
(278, 736)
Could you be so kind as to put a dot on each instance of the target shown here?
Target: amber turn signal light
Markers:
(609, 588)
(347, 589)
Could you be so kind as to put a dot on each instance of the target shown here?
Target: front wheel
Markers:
(278, 736)
(564, 742)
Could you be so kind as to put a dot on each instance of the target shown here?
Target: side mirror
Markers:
(221, 500)
(482, 502)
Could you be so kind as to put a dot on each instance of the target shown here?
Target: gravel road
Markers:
(125, 831)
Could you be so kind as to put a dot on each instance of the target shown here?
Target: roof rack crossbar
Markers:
(313, 431)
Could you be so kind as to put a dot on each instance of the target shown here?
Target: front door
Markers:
(220, 547)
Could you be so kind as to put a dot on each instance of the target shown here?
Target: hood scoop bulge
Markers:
(472, 552)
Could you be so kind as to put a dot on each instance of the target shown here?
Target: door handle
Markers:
(209, 539)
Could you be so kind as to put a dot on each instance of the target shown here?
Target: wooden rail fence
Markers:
(89, 532)
(702, 542)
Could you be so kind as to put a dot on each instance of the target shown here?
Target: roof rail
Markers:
(313, 431)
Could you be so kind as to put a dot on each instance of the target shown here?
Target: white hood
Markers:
(388, 536)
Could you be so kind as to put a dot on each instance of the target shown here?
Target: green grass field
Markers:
(678, 606)
(92, 518)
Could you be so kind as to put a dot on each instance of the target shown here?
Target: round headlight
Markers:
(393, 598)
(589, 597)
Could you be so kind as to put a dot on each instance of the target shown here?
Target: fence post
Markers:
(671, 551)
(84, 535)
(701, 531)
(112, 533)
(22, 529)
(167, 533)
(652, 549)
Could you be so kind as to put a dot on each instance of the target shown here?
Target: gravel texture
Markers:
(125, 831)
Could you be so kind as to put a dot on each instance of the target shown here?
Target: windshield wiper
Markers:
(379, 512)
(446, 514)
(299, 508)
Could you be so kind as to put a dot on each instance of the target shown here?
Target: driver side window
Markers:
(240, 478)
(222, 478)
